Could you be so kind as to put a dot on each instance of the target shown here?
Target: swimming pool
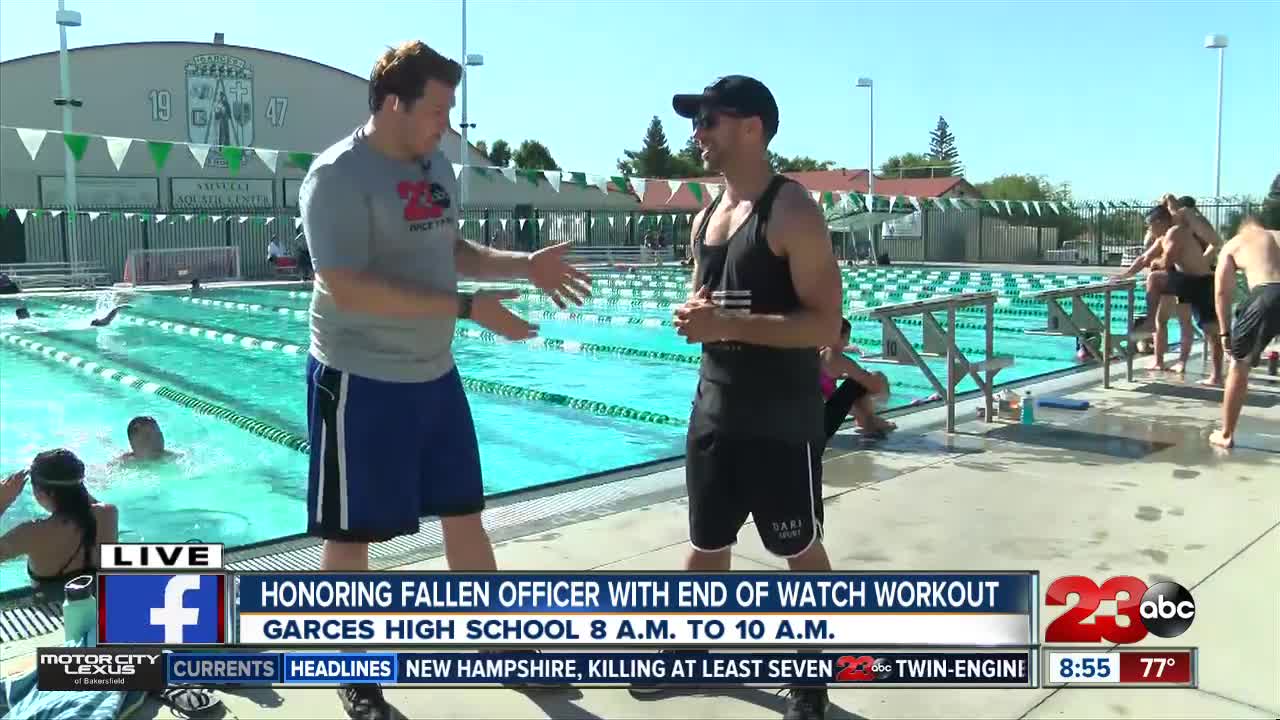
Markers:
(606, 385)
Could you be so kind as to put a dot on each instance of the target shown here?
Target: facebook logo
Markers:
(162, 609)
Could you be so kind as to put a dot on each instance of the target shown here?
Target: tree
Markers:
(1023, 187)
(691, 159)
(500, 153)
(800, 163)
(533, 155)
(654, 159)
(909, 165)
(1037, 187)
(942, 149)
(483, 148)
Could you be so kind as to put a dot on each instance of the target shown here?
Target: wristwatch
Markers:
(464, 305)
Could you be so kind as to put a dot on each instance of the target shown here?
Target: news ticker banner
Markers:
(150, 668)
(571, 609)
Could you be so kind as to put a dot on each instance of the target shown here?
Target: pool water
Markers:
(244, 349)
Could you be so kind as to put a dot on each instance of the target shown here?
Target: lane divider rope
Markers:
(108, 374)
(484, 386)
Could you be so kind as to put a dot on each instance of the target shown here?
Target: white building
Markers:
(206, 94)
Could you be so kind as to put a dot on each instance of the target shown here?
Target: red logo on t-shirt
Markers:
(422, 200)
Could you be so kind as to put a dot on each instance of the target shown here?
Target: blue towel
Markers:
(22, 699)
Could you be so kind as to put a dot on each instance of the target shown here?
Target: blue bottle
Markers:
(1028, 409)
(80, 610)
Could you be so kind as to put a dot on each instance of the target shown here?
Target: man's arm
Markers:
(484, 263)
(1152, 253)
(801, 229)
(335, 219)
(1224, 284)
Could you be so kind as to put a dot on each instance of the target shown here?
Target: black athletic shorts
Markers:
(732, 476)
(1196, 291)
(1257, 322)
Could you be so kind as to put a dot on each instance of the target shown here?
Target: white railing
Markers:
(1083, 324)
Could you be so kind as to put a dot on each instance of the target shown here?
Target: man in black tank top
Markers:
(767, 296)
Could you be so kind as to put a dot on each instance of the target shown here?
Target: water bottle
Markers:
(1273, 363)
(1028, 409)
(80, 610)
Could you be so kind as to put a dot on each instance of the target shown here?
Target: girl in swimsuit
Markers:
(64, 544)
(855, 394)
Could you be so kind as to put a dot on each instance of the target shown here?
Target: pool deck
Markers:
(924, 500)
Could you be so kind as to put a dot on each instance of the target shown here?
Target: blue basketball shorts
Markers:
(385, 454)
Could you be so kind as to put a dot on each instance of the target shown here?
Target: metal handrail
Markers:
(939, 342)
(1082, 320)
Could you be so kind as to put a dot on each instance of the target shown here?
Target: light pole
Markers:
(67, 18)
(1219, 43)
(463, 155)
(472, 60)
(871, 156)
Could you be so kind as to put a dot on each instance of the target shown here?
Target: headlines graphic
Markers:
(149, 669)
(652, 609)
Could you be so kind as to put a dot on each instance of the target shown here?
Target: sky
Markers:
(1117, 98)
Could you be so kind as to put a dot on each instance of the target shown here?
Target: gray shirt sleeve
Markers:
(335, 217)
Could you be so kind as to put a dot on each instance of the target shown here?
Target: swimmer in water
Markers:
(25, 314)
(146, 442)
(105, 320)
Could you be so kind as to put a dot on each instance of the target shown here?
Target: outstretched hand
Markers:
(488, 311)
(11, 488)
(551, 273)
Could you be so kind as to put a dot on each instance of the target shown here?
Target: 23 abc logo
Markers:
(1165, 609)
(863, 668)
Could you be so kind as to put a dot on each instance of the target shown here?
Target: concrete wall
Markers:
(153, 91)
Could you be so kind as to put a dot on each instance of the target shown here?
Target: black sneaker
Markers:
(364, 702)
(644, 690)
(806, 703)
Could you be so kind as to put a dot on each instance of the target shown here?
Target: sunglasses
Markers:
(709, 119)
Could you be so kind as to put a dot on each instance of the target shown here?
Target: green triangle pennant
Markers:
(159, 152)
(77, 143)
(35, 213)
(579, 178)
(234, 156)
(696, 190)
(4, 213)
(203, 217)
(301, 160)
(619, 182)
(115, 216)
(144, 217)
(532, 175)
(829, 199)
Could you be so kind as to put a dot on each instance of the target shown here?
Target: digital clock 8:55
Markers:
(1083, 667)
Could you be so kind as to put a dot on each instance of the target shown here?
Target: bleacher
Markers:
(32, 275)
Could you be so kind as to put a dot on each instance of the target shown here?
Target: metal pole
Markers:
(871, 170)
(1217, 154)
(69, 167)
(462, 189)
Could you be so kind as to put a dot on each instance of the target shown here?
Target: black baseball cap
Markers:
(734, 94)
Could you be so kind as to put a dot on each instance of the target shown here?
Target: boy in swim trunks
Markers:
(1190, 278)
(1256, 252)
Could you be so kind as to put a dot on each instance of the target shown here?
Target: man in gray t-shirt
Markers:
(391, 433)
